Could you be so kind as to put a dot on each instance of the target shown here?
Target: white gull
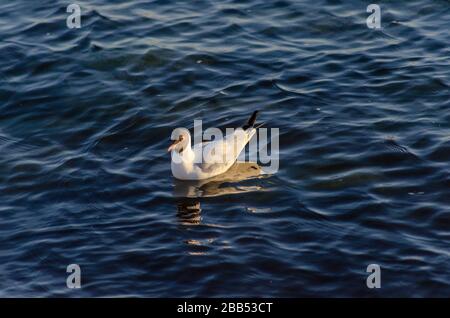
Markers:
(208, 159)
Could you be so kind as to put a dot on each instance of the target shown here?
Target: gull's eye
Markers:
(181, 137)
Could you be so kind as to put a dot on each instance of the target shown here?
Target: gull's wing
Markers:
(222, 153)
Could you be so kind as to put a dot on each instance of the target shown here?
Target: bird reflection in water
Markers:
(189, 192)
(222, 184)
(189, 212)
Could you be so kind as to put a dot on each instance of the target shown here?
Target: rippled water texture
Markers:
(85, 120)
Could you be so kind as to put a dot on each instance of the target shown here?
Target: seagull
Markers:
(211, 158)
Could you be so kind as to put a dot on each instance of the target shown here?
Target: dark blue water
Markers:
(85, 120)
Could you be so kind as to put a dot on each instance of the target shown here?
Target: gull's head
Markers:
(181, 140)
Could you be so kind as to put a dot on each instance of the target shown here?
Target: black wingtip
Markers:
(251, 121)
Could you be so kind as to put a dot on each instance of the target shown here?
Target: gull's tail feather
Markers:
(258, 125)
(251, 121)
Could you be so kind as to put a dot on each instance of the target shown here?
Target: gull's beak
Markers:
(172, 146)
